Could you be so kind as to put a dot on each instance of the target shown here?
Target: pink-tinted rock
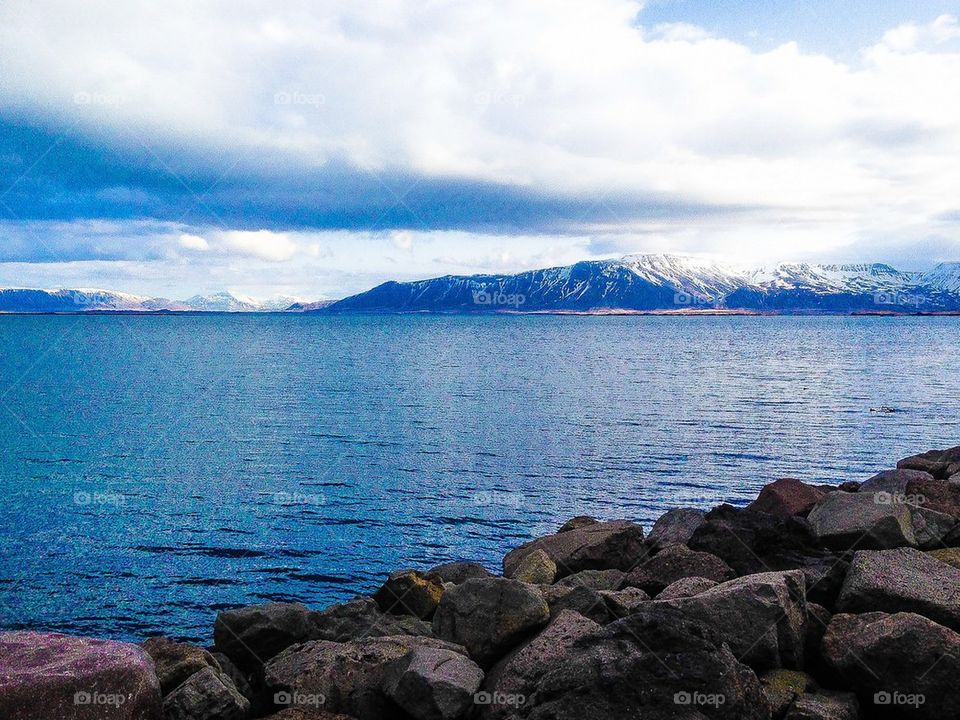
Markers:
(49, 676)
(787, 496)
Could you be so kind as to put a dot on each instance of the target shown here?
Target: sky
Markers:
(316, 149)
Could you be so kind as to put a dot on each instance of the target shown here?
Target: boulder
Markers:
(516, 675)
(575, 523)
(240, 681)
(893, 482)
(595, 579)
(824, 705)
(675, 527)
(296, 713)
(362, 617)
(930, 527)
(950, 556)
(580, 599)
(849, 486)
(935, 462)
(782, 687)
(343, 677)
(891, 659)
(48, 676)
(488, 616)
(176, 661)
(935, 495)
(763, 618)
(433, 683)
(407, 592)
(902, 580)
(251, 635)
(818, 619)
(599, 546)
(859, 521)
(786, 497)
(206, 695)
(536, 568)
(457, 572)
(655, 664)
(674, 563)
(686, 587)
(620, 603)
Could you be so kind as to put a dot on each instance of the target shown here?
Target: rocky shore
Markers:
(812, 603)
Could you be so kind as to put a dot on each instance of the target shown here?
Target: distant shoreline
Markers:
(600, 312)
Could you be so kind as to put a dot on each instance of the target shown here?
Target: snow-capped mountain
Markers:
(21, 300)
(674, 282)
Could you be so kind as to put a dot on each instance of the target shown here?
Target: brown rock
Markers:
(600, 546)
(686, 587)
(206, 695)
(786, 497)
(407, 592)
(674, 563)
(536, 568)
(675, 527)
(176, 661)
(580, 521)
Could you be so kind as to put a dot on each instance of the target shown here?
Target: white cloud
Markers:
(260, 244)
(194, 242)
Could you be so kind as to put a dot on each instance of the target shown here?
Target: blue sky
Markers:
(316, 149)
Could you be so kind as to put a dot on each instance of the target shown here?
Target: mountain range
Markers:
(635, 283)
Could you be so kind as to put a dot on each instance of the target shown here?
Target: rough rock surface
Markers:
(536, 568)
(859, 521)
(251, 635)
(457, 572)
(621, 603)
(49, 676)
(206, 695)
(674, 563)
(407, 592)
(575, 523)
(686, 587)
(950, 556)
(595, 579)
(786, 497)
(675, 527)
(782, 687)
(599, 546)
(362, 617)
(489, 616)
(580, 599)
(176, 661)
(903, 580)
(824, 705)
(433, 683)
(892, 482)
(899, 655)
(646, 666)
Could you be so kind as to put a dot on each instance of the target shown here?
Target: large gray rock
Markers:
(599, 546)
(362, 617)
(580, 599)
(675, 527)
(575, 523)
(176, 661)
(433, 683)
(938, 463)
(49, 676)
(489, 616)
(206, 695)
(407, 592)
(457, 572)
(897, 657)
(930, 527)
(621, 603)
(859, 521)
(902, 580)
(786, 497)
(655, 664)
(674, 563)
(892, 483)
(595, 579)
(536, 568)
(251, 635)
(686, 587)
(343, 677)
(763, 618)
(516, 675)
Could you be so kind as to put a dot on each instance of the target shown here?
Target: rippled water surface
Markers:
(156, 469)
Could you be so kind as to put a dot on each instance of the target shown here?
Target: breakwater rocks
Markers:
(812, 603)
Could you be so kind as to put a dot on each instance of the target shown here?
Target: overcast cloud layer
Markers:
(321, 148)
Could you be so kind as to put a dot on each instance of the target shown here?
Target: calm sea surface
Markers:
(156, 469)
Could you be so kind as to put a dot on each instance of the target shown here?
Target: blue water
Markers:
(156, 469)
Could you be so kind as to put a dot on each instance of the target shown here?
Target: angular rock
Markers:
(348, 677)
(825, 705)
(251, 635)
(782, 687)
(858, 521)
(536, 568)
(295, 713)
(240, 681)
(936, 495)
(849, 486)
(595, 579)
(488, 616)
(818, 620)
(517, 674)
(362, 617)
(407, 592)
(902, 580)
(48, 676)
(580, 599)
(893, 482)
(932, 462)
(899, 655)
(686, 587)
(648, 665)
(600, 546)
(433, 683)
(950, 556)
(786, 497)
(575, 523)
(176, 661)
(763, 618)
(620, 603)
(206, 695)
(457, 572)
(931, 528)
(675, 527)
(674, 563)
